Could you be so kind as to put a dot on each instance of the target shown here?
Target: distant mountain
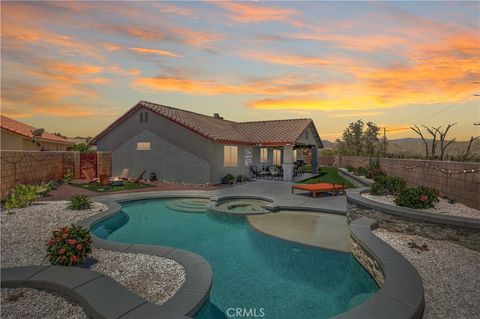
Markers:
(415, 146)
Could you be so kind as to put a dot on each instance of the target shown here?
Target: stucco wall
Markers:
(12, 141)
(167, 160)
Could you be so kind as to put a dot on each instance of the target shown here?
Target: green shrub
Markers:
(69, 246)
(68, 176)
(52, 185)
(79, 202)
(374, 172)
(361, 171)
(242, 178)
(22, 196)
(417, 197)
(350, 168)
(228, 179)
(387, 185)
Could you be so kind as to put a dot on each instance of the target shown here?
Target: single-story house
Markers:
(184, 146)
(20, 136)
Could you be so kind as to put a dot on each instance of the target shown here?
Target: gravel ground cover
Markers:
(449, 273)
(25, 233)
(442, 207)
(33, 303)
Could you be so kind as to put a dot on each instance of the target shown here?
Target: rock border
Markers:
(402, 293)
(354, 196)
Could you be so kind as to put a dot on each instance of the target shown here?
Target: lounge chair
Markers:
(89, 178)
(104, 180)
(320, 188)
(124, 174)
(137, 180)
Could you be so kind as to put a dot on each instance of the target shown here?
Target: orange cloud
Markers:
(154, 51)
(242, 12)
(289, 59)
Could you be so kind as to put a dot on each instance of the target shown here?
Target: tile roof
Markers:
(26, 130)
(275, 132)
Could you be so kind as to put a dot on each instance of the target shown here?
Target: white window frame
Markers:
(263, 154)
(295, 155)
(230, 156)
(143, 146)
(277, 157)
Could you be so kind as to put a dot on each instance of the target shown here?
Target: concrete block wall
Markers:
(104, 163)
(458, 185)
(33, 167)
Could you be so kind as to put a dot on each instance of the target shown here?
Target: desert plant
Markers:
(228, 179)
(52, 185)
(22, 196)
(417, 197)
(79, 202)
(350, 168)
(373, 172)
(387, 185)
(69, 246)
(361, 171)
(68, 176)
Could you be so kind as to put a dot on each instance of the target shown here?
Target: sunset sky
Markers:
(73, 67)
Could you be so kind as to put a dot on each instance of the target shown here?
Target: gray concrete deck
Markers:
(277, 191)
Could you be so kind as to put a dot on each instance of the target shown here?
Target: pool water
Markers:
(261, 274)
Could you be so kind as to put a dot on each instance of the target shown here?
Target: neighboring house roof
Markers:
(25, 130)
(275, 132)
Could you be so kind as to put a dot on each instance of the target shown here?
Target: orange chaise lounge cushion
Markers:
(320, 187)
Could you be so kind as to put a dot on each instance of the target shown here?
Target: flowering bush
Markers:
(417, 197)
(69, 246)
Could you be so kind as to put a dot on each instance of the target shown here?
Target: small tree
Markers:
(358, 140)
(81, 147)
(467, 152)
(443, 137)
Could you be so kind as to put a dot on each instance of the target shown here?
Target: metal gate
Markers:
(88, 163)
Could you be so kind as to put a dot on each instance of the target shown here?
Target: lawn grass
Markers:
(328, 175)
(102, 189)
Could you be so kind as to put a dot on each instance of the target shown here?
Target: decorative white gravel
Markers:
(33, 303)
(25, 233)
(442, 207)
(449, 273)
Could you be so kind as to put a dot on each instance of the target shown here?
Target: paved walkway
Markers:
(278, 191)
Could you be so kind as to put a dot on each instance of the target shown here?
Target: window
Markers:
(143, 117)
(277, 157)
(143, 146)
(230, 156)
(264, 155)
(295, 155)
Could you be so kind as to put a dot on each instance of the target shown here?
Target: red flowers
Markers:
(69, 246)
(423, 198)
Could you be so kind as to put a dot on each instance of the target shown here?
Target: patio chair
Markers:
(104, 180)
(137, 180)
(124, 174)
(89, 178)
(274, 172)
(258, 173)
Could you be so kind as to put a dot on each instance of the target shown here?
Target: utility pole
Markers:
(384, 140)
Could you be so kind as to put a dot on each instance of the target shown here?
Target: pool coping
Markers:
(402, 294)
(354, 196)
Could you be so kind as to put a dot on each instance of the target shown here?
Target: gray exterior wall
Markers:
(176, 153)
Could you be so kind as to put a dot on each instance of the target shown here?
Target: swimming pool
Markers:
(262, 274)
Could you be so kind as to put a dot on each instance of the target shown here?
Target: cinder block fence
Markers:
(459, 181)
(32, 167)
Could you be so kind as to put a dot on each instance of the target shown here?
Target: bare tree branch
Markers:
(465, 156)
(443, 136)
(434, 131)
(419, 132)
